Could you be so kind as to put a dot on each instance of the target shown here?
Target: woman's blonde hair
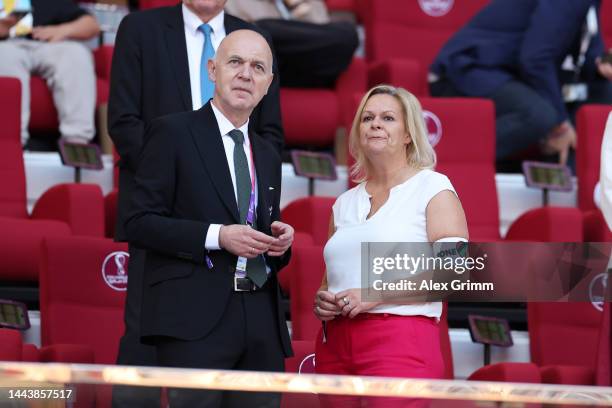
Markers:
(419, 153)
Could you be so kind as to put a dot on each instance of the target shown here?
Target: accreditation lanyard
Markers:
(241, 265)
(590, 30)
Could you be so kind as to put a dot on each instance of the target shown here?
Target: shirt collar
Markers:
(225, 126)
(193, 22)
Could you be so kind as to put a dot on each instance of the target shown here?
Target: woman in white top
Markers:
(399, 199)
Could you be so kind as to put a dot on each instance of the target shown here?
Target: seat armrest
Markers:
(548, 224)
(81, 206)
(404, 72)
(508, 372)
(67, 353)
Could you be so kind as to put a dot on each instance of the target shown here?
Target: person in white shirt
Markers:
(605, 178)
(399, 199)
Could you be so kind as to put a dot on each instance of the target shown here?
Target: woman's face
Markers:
(381, 128)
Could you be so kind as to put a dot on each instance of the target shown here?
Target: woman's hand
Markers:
(325, 307)
(350, 302)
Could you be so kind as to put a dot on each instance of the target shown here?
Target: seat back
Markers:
(463, 134)
(11, 346)
(425, 24)
(148, 4)
(306, 279)
(82, 294)
(12, 173)
(590, 125)
(563, 333)
(310, 215)
(302, 362)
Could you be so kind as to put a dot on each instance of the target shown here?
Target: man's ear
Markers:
(212, 73)
(269, 83)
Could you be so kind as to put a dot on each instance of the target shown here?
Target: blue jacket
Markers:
(525, 40)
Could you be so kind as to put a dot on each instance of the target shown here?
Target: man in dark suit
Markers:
(538, 60)
(205, 207)
(157, 69)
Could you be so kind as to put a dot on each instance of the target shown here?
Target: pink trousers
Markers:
(379, 344)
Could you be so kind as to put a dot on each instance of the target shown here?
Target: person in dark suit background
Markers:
(200, 177)
(156, 71)
(525, 55)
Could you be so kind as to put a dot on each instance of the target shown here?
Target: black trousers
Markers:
(522, 116)
(131, 350)
(246, 338)
(311, 55)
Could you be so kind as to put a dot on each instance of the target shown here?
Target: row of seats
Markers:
(70, 209)
(82, 294)
(554, 328)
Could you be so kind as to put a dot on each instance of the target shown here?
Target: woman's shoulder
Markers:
(350, 194)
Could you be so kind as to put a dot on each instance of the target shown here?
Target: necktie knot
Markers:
(205, 29)
(237, 136)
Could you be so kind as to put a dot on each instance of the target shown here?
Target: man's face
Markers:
(241, 70)
(205, 7)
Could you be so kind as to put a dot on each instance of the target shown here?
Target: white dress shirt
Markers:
(225, 126)
(195, 46)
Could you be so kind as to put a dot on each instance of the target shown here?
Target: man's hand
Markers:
(604, 68)
(243, 240)
(325, 307)
(5, 25)
(51, 33)
(559, 140)
(284, 238)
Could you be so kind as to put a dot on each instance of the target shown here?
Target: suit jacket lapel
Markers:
(177, 50)
(263, 180)
(207, 139)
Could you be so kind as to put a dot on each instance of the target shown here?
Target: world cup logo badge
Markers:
(307, 366)
(597, 291)
(436, 8)
(434, 127)
(115, 270)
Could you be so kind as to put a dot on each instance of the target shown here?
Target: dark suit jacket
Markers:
(518, 39)
(150, 78)
(183, 185)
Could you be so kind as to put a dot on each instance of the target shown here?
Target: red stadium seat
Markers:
(60, 211)
(302, 362)
(310, 215)
(306, 278)
(300, 105)
(82, 295)
(555, 328)
(590, 125)
(426, 26)
(148, 4)
(43, 115)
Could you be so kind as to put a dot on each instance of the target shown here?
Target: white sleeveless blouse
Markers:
(401, 219)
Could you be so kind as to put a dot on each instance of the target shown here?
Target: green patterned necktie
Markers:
(256, 268)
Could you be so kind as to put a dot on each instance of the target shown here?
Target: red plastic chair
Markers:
(82, 295)
(63, 210)
(563, 341)
(426, 25)
(302, 362)
(43, 115)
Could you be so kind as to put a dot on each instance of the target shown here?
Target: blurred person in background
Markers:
(538, 60)
(400, 198)
(312, 50)
(44, 41)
